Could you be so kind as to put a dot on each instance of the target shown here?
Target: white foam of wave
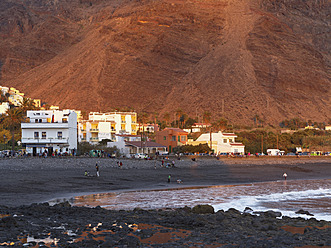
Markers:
(256, 202)
(286, 197)
(296, 195)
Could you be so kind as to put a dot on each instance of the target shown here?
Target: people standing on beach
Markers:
(97, 169)
(121, 164)
(169, 178)
(285, 175)
(86, 173)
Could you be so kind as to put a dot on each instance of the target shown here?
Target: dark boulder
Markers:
(203, 209)
(301, 211)
(8, 222)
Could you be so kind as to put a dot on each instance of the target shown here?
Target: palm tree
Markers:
(179, 113)
(206, 117)
(142, 119)
(166, 118)
(12, 121)
(183, 119)
(221, 124)
(27, 104)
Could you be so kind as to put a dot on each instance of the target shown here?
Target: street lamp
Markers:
(4, 140)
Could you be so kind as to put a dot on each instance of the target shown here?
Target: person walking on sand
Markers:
(97, 169)
(169, 178)
(121, 164)
(285, 175)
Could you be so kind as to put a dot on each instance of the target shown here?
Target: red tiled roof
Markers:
(237, 144)
(202, 124)
(143, 144)
(229, 134)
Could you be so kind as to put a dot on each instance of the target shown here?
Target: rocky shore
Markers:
(26, 221)
(41, 225)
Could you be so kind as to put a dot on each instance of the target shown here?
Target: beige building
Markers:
(219, 142)
(100, 126)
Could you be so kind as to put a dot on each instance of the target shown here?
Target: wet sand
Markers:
(34, 180)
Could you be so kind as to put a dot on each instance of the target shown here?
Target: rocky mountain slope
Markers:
(234, 58)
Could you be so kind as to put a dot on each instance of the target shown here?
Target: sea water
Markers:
(287, 197)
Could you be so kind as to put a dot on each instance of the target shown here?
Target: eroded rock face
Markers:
(239, 57)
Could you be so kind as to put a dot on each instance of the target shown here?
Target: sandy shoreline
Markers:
(33, 180)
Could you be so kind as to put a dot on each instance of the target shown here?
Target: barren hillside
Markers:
(235, 58)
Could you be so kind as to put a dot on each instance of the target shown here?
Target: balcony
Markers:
(83, 130)
(45, 141)
(44, 125)
(94, 139)
(83, 139)
(94, 130)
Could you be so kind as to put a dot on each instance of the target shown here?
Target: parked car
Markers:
(6, 153)
(290, 154)
(163, 153)
(140, 155)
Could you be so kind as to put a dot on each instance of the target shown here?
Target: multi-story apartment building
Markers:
(51, 131)
(171, 137)
(100, 126)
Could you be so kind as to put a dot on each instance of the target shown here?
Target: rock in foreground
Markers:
(68, 226)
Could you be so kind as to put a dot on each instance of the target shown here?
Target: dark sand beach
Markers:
(36, 180)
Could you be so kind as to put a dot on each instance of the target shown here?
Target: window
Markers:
(178, 138)
(230, 140)
(59, 135)
(35, 120)
(183, 138)
(173, 138)
(40, 120)
(36, 135)
(225, 141)
(43, 135)
(64, 120)
(164, 137)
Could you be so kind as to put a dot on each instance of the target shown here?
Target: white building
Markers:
(120, 140)
(220, 142)
(148, 128)
(16, 100)
(4, 90)
(4, 107)
(102, 126)
(131, 144)
(51, 131)
(197, 127)
(275, 152)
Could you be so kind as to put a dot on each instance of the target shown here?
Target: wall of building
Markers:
(59, 129)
